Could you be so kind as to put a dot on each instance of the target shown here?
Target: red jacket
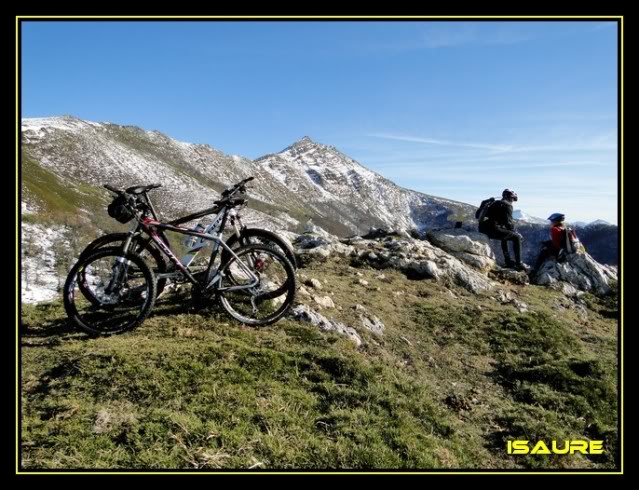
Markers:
(557, 236)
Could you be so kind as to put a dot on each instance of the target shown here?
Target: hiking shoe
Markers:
(521, 267)
(510, 264)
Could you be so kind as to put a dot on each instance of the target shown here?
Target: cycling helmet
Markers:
(556, 217)
(508, 194)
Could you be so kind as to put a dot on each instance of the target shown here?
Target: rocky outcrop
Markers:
(304, 313)
(418, 258)
(453, 256)
(315, 247)
(471, 247)
(579, 271)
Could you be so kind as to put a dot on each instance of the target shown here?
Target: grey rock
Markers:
(373, 324)
(324, 301)
(580, 271)
(314, 283)
(470, 247)
(305, 314)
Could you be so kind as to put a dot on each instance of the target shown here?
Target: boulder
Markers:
(318, 248)
(373, 324)
(305, 314)
(471, 247)
(578, 270)
(324, 301)
(314, 283)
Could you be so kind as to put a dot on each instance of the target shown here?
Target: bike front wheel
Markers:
(257, 285)
(107, 292)
(143, 247)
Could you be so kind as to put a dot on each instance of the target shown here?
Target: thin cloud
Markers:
(509, 162)
(600, 143)
(437, 35)
(515, 167)
(432, 141)
(604, 25)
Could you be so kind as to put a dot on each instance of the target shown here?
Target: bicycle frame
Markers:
(151, 226)
(235, 219)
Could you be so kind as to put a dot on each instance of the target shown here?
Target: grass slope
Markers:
(449, 382)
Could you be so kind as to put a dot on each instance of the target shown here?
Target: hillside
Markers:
(408, 347)
(429, 375)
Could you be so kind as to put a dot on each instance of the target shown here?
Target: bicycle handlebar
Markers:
(112, 189)
(232, 190)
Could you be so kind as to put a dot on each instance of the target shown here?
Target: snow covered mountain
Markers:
(519, 215)
(305, 180)
(342, 195)
(66, 160)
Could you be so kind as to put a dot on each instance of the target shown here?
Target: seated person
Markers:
(498, 224)
(554, 246)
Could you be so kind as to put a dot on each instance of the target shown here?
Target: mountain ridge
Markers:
(66, 160)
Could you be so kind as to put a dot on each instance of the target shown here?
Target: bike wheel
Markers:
(255, 236)
(251, 284)
(107, 293)
(142, 246)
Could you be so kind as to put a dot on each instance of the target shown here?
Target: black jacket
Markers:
(500, 213)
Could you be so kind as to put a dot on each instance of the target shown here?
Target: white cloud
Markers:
(602, 142)
(433, 141)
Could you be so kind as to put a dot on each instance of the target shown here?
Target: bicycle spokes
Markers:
(256, 285)
(107, 293)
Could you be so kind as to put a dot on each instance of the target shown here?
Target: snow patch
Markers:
(39, 276)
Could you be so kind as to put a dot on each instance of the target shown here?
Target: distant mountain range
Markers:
(65, 162)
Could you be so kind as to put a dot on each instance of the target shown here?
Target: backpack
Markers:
(573, 244)
(480, 214)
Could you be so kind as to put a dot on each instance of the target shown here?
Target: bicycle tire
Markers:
(69, 295)
(290, 283)
(265, 236)
(110, 239)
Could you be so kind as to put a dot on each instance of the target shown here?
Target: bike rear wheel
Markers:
(108, 293)
(257, 235)
(257, 285)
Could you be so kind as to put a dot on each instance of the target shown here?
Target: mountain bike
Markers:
(241, 235)
(113, 289)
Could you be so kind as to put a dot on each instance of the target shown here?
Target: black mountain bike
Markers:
(112, 289)
(240, 235)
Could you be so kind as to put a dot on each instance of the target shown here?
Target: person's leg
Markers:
(509, 236)
(507, 258)
(541, 258)
(502, 234)
(545, 253)
(517, 240)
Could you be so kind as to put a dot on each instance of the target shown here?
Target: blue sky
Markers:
(455, 109)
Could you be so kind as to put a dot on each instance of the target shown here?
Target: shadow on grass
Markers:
(47, 325)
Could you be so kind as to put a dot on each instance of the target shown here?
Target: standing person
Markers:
(498, 224)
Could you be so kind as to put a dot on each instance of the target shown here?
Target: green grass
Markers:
(449, 382)
(61, 200)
